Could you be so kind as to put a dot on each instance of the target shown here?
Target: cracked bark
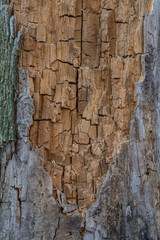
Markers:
(99, 140)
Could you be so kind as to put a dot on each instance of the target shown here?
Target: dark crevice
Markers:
(70, 16)
(67, 63)
(19, 201)
(77, 77)
(81, 33)
(58, 225)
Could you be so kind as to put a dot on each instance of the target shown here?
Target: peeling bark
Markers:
(85, 161)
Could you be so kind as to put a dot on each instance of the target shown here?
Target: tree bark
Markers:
(79, 120)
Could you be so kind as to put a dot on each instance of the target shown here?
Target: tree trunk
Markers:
(79, 119)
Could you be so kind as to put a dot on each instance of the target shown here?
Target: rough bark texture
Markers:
(9, 51)
(92, 70)
(128, 204)
(83, 60)
(28, 210)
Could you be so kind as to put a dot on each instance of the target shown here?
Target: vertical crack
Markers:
(20, 203)
(77, 77)
(58, 226)
(81, 33)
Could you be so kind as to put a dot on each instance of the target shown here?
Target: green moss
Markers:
(9, 51)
